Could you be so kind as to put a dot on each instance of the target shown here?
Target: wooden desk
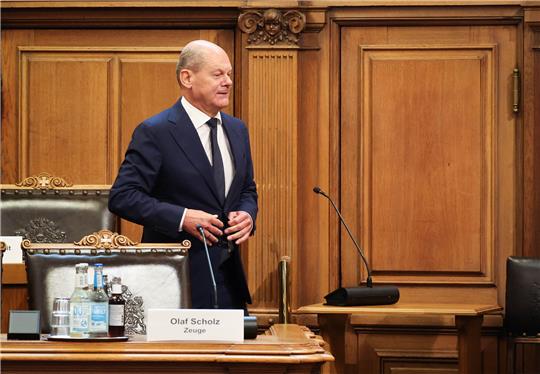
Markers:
(283, 349)
(337, 330)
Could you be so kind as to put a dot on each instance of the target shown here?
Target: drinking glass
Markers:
(60, 317)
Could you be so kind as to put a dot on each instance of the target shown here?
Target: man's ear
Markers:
(185, 78)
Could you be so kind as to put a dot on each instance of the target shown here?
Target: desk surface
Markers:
(404, 309)
(284, 344)
(283, 349)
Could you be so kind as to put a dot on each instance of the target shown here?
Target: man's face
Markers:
(211, 84)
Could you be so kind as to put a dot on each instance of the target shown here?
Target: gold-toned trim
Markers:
(516, 94)
(284, 311)
(44, 181)
(105, 239)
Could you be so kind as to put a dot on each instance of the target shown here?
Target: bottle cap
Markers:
(116, 288)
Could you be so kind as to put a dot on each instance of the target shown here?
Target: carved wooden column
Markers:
(269, 106)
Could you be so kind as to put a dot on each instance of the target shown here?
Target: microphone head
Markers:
(316, 189)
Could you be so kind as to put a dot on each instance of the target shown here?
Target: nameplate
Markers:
(225, 325)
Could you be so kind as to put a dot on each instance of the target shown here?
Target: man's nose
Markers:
(228, 80)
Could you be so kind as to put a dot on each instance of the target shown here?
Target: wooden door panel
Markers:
(64, 116)
(428, 156)
(426, 177)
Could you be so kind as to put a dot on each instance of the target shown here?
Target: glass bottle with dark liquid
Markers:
(117, 308)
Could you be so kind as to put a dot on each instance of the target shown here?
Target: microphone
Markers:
(349, 296)
(201, 230)
(250, 323)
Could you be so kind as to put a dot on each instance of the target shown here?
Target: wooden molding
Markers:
(118, 17)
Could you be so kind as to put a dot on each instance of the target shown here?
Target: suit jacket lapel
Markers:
(187, 138)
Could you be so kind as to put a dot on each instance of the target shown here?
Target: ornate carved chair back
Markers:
(47, 209)
(153, 275)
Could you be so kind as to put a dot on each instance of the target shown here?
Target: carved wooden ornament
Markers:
(272, 26)
(105, 239)
(43, 181)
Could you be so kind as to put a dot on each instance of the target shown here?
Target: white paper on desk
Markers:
(13, 254)
(224, 325)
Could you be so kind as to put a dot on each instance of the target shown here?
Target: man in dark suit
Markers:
(189, 167)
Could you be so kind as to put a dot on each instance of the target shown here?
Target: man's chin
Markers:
(221, 104)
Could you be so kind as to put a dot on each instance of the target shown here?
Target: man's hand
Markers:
(209, 222)
(240, 225)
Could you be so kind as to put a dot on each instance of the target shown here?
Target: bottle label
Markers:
(81, 280)
(99, 317)
(116, 315)
(98, 279)
(79, 314)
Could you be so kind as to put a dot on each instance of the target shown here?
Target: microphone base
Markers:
(358, 296)
(250, 327)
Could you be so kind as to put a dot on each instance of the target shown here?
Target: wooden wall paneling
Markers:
(104, 43)
(147, 85)
(430, 150)
(528, 356)
(508, 149)
(427, 350)
(428, 146)
(316, 263)
(349, 148)
(64, 116)
(111, 81)
(335, 162)
(14, 292)
(531, 123)
(11, 40)
(272, 119)
(397, 351)
(17, 295)
(294, 125)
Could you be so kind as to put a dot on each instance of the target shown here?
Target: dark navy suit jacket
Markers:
(165, 171)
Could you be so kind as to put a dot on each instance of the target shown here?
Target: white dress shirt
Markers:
(199, 119)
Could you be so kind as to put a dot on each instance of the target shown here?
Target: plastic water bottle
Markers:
(99, 306)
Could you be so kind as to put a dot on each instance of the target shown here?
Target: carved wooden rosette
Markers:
(272, 26)
(44, 181)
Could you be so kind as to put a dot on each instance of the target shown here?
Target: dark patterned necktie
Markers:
(217, 161)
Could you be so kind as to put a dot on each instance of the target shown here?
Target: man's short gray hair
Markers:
(192, 57)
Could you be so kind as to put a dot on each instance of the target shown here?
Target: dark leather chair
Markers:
(153, 275)
(48, 209)
(522, 310)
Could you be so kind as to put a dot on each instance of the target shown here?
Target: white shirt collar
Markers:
(197, 117)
